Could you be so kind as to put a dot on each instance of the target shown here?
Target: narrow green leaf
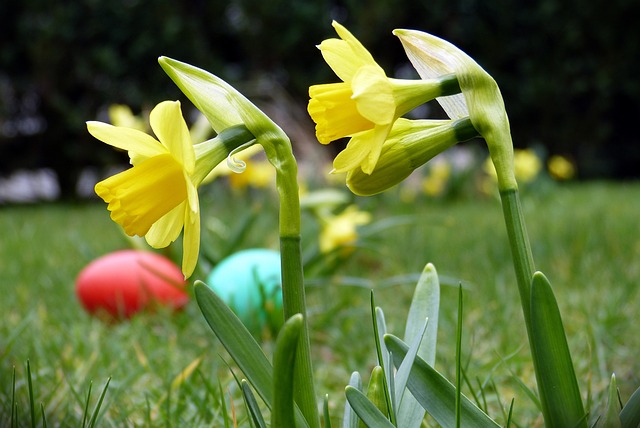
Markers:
(32, 407)
(44, 416)
(557, 383)
(350, 418)
(96, 410)
(366, 410)
(611, 417)
(252, 405)
(325, 407)
(435, 393)
(459, 360)
(284, 357)
(630, 414)
(402, 375)
(85, 415)
(14, 405)
(240, 344)
(223, 401)
(424, 304)
(379, 330)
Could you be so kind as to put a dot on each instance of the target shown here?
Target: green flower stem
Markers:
(520, 249)
(293, 293)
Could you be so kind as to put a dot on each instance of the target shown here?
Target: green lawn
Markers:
(584, 237)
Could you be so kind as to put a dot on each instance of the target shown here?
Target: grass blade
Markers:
(85, 414)
(284, 358)
(32, 407)
(14, 405)
(435, 393)
(366, 410)
(44, 417)
(557, 383)
(252, 405)
(459, 360)
(325, 407)
(379, 330)
(630, 414)
(240, 344)
(96, 410)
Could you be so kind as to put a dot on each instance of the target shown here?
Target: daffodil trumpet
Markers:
(411, 144)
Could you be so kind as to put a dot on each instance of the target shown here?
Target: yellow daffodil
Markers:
(435, 183)
(480, 99)
(366, 103)
(561, 168)
(157, 198)
(527, 166)
(258, 174)
(411, 144)
(340, 231)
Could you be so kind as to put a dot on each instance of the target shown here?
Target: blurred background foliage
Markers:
(568, 69)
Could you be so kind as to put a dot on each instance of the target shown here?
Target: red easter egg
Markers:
(123, 283)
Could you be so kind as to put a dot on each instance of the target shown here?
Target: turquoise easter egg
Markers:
(249, 282)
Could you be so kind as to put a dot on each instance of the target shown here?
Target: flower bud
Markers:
(411, 144)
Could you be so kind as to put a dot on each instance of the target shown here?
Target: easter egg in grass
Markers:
(126, 282)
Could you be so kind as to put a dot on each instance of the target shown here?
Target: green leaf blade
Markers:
(240, 344)
(557, 384)
(366, 410)
(284, 358)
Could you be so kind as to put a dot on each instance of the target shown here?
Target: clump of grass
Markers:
(590, 254)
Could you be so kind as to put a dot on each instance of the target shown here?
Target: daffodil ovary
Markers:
(411, 144)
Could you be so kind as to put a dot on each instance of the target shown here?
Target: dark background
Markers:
(568, 69)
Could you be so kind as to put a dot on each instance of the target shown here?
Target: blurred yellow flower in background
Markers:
(258, 174)
(527, 165)
(435, 183)
(561, 168)
(121, 115)
(340, 231)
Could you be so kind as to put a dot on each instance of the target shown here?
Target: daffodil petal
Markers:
(191, 240)
(172, 131)
(167, 229)
(345, 56)
(373, 95)
(380, 134)
(356, 151)
(140, 145)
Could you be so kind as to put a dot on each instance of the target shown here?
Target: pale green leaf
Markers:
(365, 409)
(425, 304)
(435, 393)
